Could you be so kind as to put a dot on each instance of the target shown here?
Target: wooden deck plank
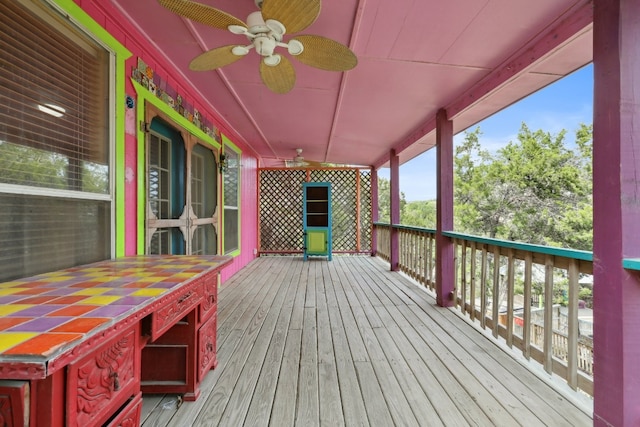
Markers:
(251, 320)
(307, 411)
(348, 343)
(285, 398)
(532, 392)
(258, 359)
(377, 410)
(262, 400)
(352, 401)
(416, 397)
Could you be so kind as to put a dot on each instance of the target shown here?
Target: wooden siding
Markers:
(347, 342)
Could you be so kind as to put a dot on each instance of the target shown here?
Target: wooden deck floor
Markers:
(347, 342)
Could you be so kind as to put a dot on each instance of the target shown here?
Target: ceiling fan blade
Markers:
(326, 54)
(314, 163)
(202, 13)
(280, 78)
(295, 15)
(214, 58)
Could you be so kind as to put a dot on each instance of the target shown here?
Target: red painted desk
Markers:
(78, 346)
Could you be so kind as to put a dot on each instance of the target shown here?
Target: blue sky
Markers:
(562, 105)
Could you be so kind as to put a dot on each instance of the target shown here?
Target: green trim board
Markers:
(80, 18)
(631, 263)
(146, 96)
(228, 144)
(546, 250)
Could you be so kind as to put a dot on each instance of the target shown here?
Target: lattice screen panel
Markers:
(365, 210)
(281, 208)
(343, 205)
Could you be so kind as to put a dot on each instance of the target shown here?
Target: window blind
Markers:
(53, 104)
(54, 125)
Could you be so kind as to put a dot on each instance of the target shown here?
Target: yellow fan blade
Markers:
(202, 13)
(279, 79)
(214, 58)
(295, 15)
(326, 54)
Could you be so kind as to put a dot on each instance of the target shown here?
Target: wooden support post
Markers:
(616, 211)
(374, 211)
(445, 259)
(395, 209)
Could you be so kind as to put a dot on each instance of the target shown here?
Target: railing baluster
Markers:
(472, 291)
(483, 288)
(430, 261)
(495, 292)
(510, 296)
(548, 314)
(456, 271)
(463, 277)
(526, 322)
(573, 331)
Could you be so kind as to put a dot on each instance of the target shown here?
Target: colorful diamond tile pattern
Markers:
(42, 314)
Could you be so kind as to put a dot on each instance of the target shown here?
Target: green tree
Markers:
(384, 201)
(535, 190)
(420, 214)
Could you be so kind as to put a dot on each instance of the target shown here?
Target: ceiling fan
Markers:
(265, 30)
(299, 161)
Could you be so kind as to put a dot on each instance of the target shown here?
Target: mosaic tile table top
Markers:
(44, 314)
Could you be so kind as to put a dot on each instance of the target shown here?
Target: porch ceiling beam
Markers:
(345, 76)
(574, 22)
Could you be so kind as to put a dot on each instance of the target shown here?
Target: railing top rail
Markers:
(545, 250)
(406, 227)
(631, 263)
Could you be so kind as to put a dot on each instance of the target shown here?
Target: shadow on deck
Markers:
(347, 342)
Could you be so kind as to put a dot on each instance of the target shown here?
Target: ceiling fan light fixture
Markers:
(240, 50)
(276, 27)
(256, 23)
(272, 60)
(295, 47)
(238, 29)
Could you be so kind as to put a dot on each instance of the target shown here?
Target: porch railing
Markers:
(526, 295)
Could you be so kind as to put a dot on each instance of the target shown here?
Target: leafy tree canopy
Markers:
(536, 189)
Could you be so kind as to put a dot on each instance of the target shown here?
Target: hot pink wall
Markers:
(118, 26)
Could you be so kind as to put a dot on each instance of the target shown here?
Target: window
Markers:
(55, 192)
(231, 202)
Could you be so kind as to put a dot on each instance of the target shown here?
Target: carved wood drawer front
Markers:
(129, 416)
(210, 297)
(103, 380)
(14, 403)
(207, 350)
(170, 313)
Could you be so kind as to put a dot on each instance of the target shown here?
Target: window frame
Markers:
(79, 28)
(230, 147)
